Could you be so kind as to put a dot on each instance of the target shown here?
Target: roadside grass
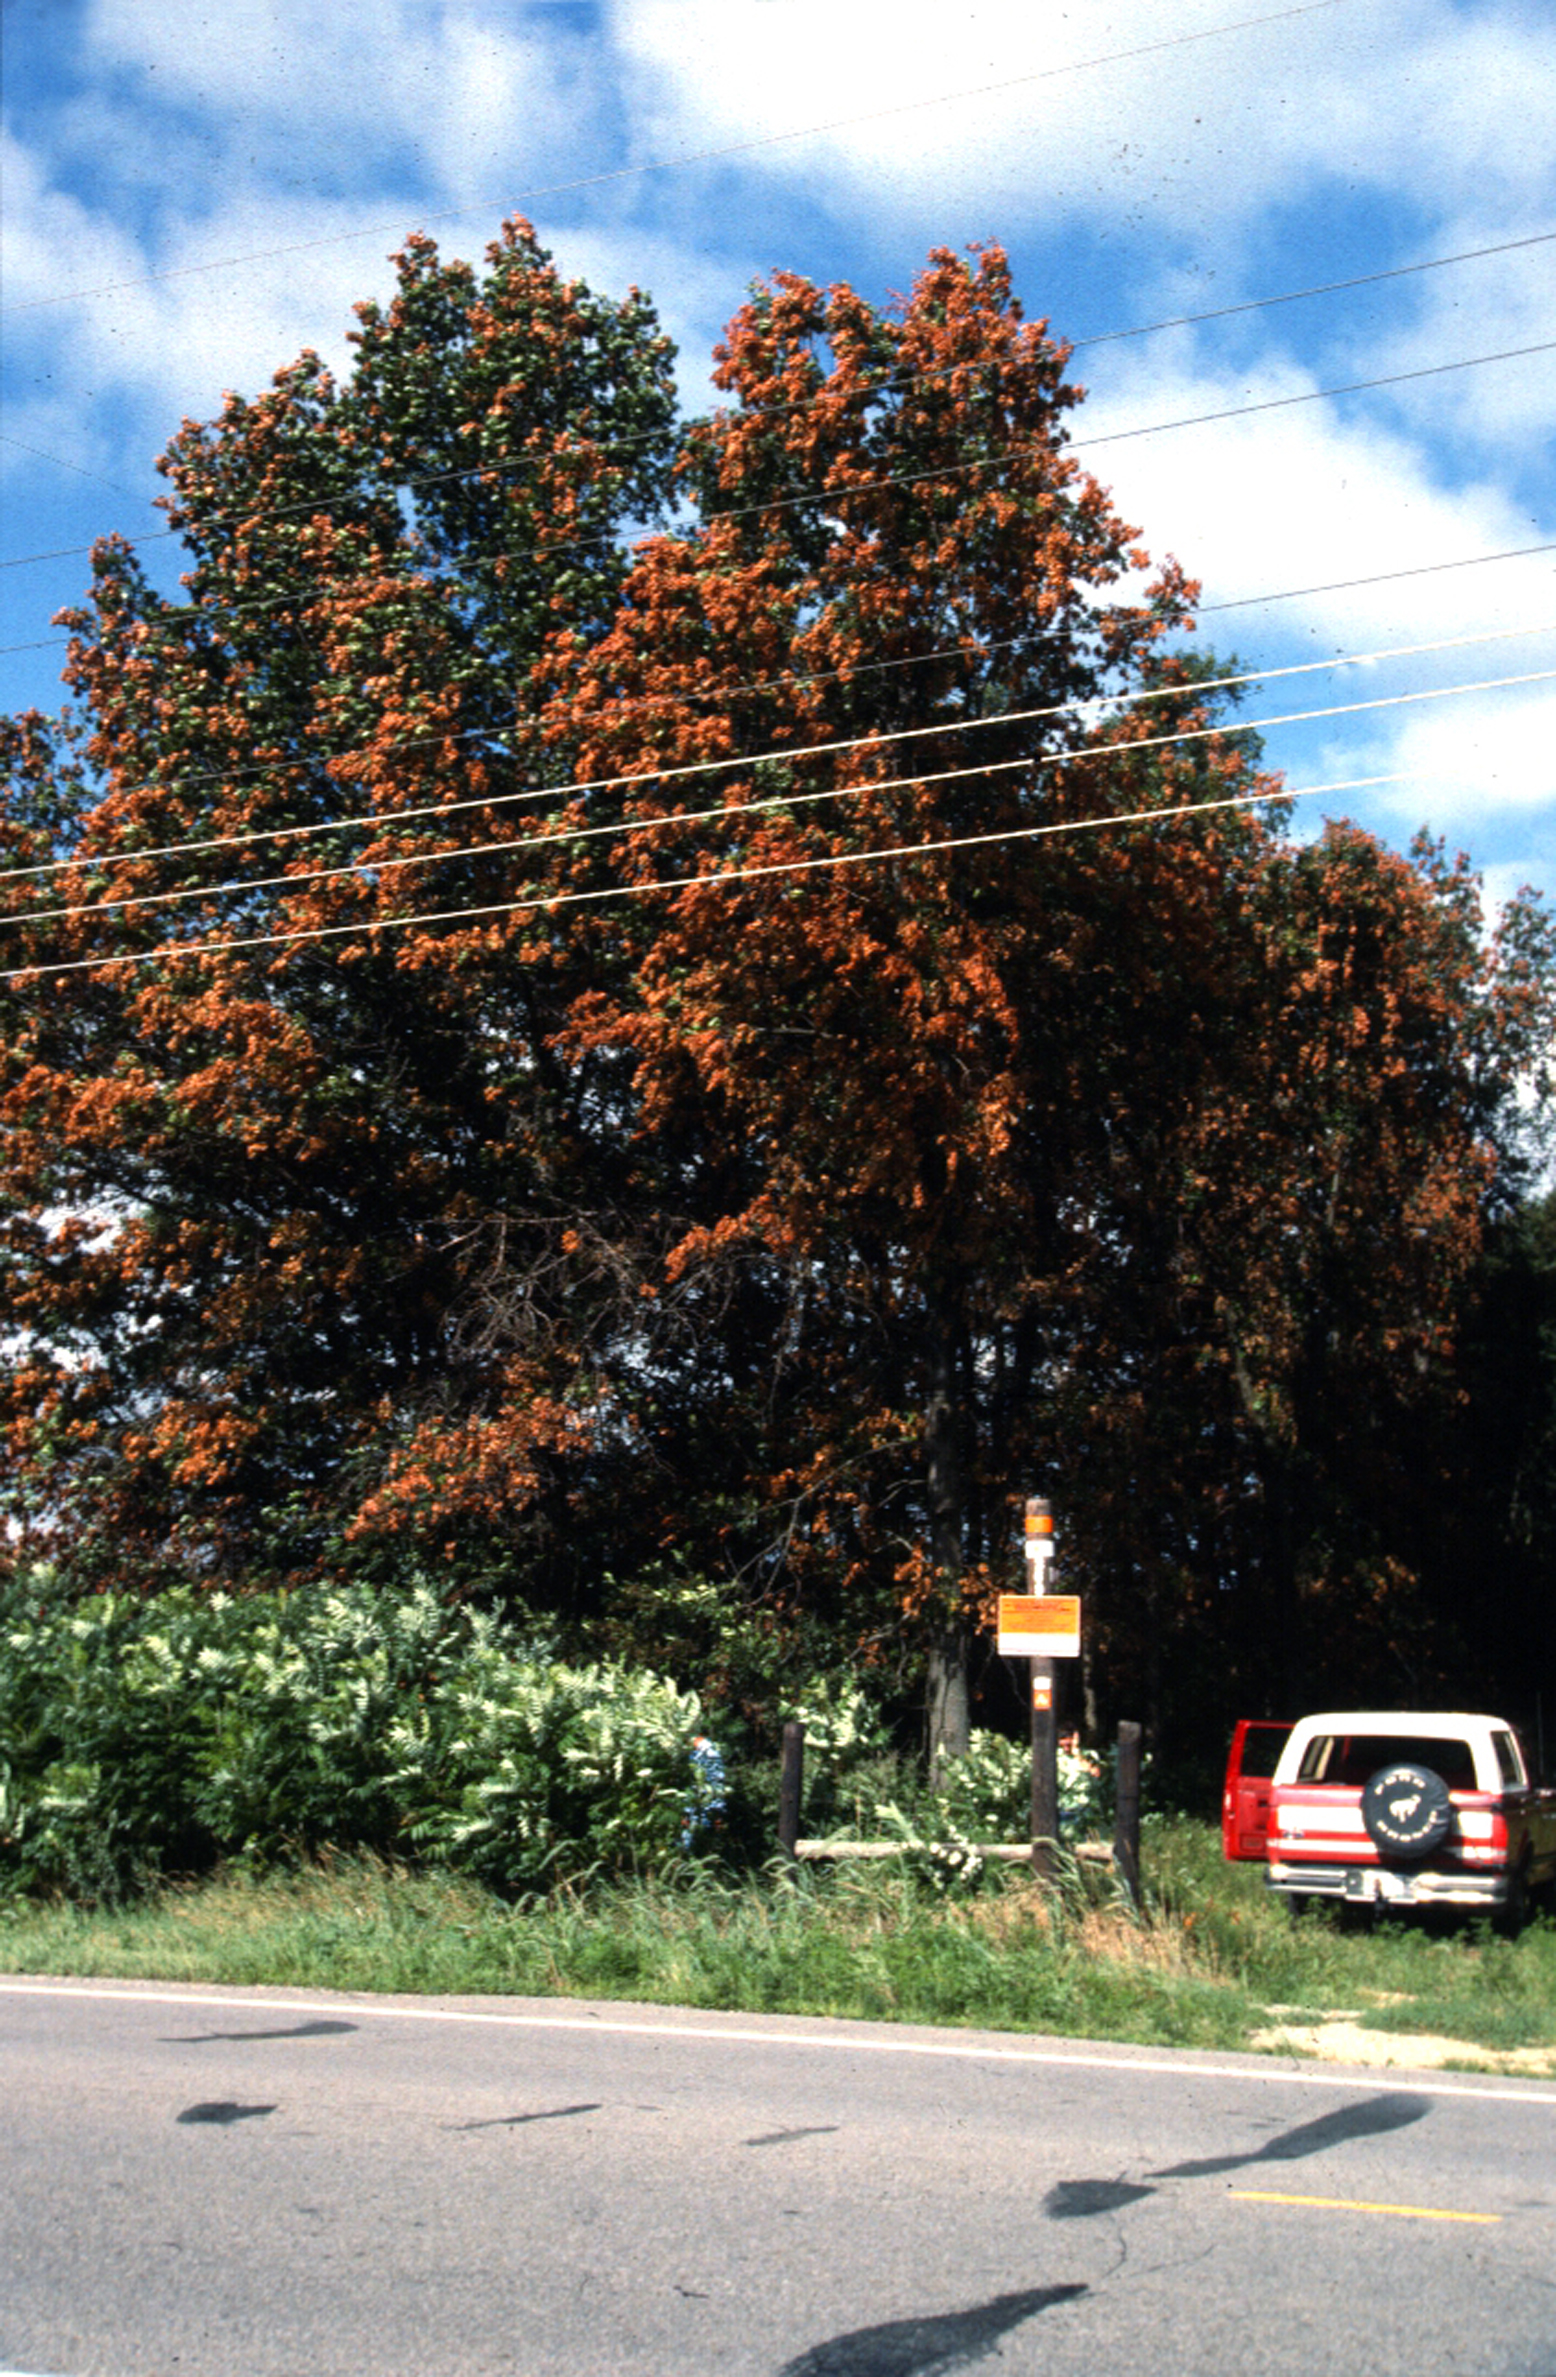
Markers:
(1441, 1975)
(1209, 1962)
(850, 1942)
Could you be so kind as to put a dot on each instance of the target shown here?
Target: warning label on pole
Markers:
(1039, 1626)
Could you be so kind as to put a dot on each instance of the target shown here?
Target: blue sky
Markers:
(195, 189)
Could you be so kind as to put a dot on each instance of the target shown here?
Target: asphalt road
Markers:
(204, 2183)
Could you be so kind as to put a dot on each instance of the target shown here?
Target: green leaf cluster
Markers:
(856, 1783)
(156, 1737)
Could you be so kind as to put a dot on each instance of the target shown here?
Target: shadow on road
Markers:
(519, 2120)
(223, 2113)
(1374, 2117)
(1083, 2199)
(299, 2030)
(933, 2347)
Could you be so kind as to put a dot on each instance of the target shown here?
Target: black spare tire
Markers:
(1406, 1810)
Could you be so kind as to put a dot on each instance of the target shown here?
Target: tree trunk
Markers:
(1280, 1504)
(947, 1697)
(947, 1703)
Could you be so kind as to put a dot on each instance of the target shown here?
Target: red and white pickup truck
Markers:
(1391, 1808)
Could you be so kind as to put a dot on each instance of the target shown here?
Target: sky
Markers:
(194, 190)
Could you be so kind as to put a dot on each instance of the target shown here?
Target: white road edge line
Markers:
(1532, 2091)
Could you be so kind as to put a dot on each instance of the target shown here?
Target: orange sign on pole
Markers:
(1039, 1626)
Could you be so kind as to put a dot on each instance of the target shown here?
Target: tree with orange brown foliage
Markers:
(752, 1007)
(255, 1152)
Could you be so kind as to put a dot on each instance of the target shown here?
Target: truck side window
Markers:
(1262, 1746)
(1509, 1762)
(1315, 1758)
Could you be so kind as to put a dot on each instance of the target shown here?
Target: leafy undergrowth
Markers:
(1202, 1966)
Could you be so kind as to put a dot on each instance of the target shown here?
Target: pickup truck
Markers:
(1391, 1808)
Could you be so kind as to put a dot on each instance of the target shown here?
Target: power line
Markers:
(60, 463)
(567, 836)
(741, 813)
(711, 882)
(738, 148)
(1360, 280)
(893, 385)
(787, 753)
(1422, 569)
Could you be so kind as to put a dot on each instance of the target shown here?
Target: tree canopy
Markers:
(660, 1019)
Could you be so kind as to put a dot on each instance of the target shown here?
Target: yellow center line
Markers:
(1340, 2203)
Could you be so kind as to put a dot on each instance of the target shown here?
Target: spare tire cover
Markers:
(1406, 1810)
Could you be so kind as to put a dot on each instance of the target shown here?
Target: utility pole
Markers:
(1041, 1627)
(1039, 1547)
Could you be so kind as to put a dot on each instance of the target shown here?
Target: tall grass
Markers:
(1201, 1965)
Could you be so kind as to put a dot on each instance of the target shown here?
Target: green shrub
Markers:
(160, 1736)
(522, 1766)
(856, 1783)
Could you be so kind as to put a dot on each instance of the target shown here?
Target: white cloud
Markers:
(174, 343)
(1303, 497)
(1404, 94)
(452, 96)
(1462, 110)
(1495, 305)
(454, 103)
(1311, 497)
(49, 234)
(1496, 753)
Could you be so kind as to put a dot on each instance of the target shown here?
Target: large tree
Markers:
(245, 1191)
(1071, 1118)
(759, 1012)
(1310, 1236)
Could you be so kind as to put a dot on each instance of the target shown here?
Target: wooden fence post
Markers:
(1126, 1833)
(789, 1786)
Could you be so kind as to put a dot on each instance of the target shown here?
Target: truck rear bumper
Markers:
(1389, 1886)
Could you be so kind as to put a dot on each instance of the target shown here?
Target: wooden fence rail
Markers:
(1122, 1852)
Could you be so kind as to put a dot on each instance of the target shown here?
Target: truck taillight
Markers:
(1498, 1830)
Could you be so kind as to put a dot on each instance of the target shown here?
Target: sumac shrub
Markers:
(147, 1737)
